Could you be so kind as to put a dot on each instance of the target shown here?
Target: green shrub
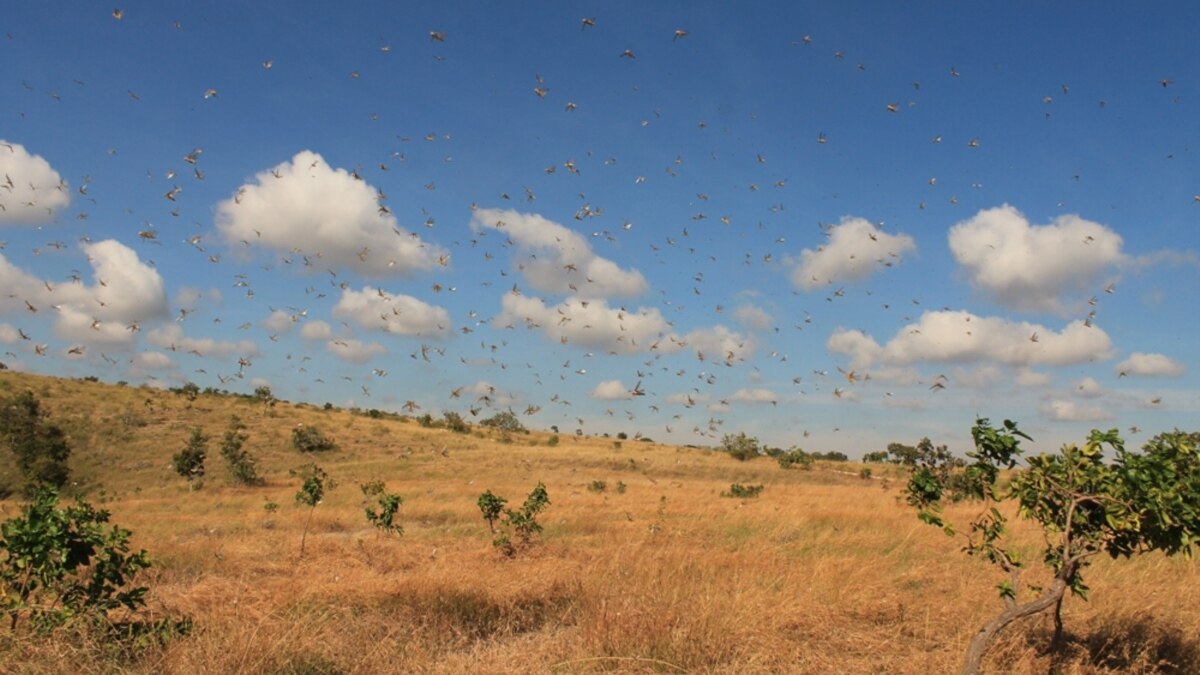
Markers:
(455, 423)
(552, 441)
(741, 447)
(739, 491)
(242, 466)
(597, 486)
(519, 523)
(40, 447)
(62, 564)
(385, 518)
(794, 457)
(505, 421)
(189, 462)
(310, 439)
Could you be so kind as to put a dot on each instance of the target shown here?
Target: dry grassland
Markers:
(824, 573)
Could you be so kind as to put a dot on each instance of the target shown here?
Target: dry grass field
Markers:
(825, 572)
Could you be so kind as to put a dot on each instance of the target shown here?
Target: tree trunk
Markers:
(983, 639)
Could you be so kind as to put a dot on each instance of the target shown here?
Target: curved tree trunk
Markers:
(983, 639)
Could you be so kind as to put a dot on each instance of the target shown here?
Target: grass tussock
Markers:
(823, 572)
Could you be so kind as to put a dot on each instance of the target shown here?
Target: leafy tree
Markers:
(1132, 503)
(41, 448)
(876, 457)
(741, 447)
(311, 492)
(242, 465)
(189, 462)
(62, 563)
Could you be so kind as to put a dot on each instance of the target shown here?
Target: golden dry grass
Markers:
(825, 572)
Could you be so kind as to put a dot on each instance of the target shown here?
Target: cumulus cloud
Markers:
(8, 334)
(1149, 365)
(375, 309)
(316, 330)
(720, 344)
(755, 396)
(326, 214)
(1031, 267)
(855, 250)
(611, 390)
(1088, 388)
(152, 361)
(32, 190)
(171, 337)
(752, 316)
(962, 337)
(1070, 411)
(126, 291)
(589, 323)
(558, 260)
(355, 351)
(1027, 377)
(278, 321)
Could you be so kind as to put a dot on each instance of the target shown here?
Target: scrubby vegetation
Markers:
(822, 572)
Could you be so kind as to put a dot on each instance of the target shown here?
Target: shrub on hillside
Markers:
(310, 439)
(40, 447)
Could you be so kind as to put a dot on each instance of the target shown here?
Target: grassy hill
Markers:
(656, 572)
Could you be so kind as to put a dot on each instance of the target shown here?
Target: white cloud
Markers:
(306, 206)
(611, 390)
(126, 291)
(376, 309)
(316, 330)
(1027, 377)
(720, 344)
(1149, 365)
(355, 351)
(589, 323)
(152, 361)
(278, 321)
(979, 377)
(1070, 411)
(959, 336)
(752, 316)
(755, 396)
(171, 337)
(558, 260)
(32, 190)
(1031, 267)
(962, 337)
(8, 334)
(1088, 388)
(855, 250)
(190, 298)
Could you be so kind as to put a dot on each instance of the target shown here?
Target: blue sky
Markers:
(830, 227)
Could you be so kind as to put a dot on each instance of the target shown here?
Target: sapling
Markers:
(311, 492)
(189, 462)
(1087, 500)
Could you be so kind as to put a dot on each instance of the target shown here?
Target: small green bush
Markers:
(794, 457)
(310, 439)
(62, 564)
(739, 491)
(597, 486)
(242, 466)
